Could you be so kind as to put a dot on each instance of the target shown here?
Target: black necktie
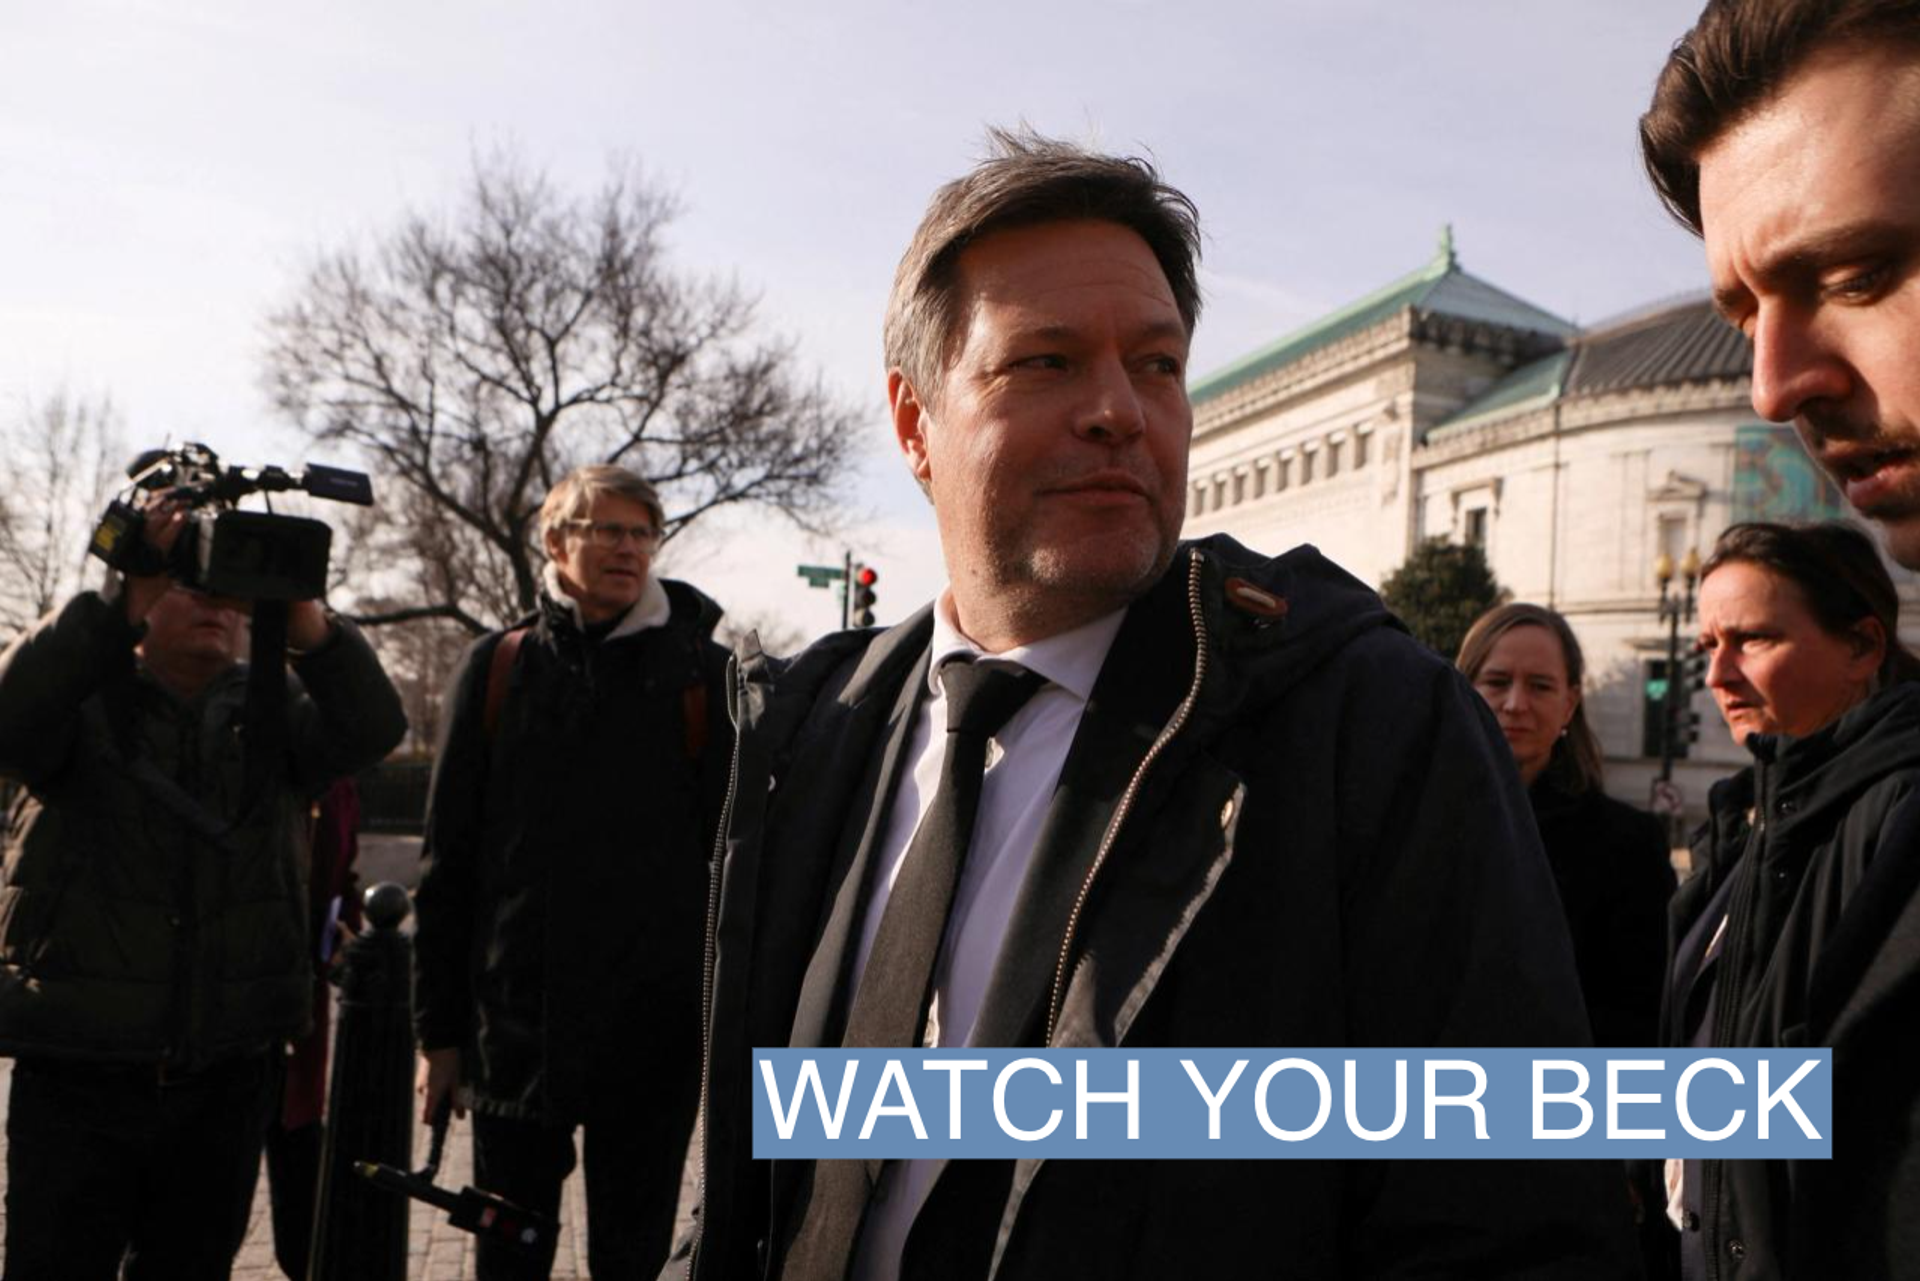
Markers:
(890, 1006)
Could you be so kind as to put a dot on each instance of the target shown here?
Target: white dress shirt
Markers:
(1023, 766)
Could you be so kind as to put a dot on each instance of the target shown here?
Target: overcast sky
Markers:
(167, 168)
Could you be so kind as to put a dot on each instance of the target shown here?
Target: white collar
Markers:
(651, 610)
(1071, 660)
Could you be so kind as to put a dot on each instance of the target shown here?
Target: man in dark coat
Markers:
(1240, 807)
(154, 954)
(563, 880)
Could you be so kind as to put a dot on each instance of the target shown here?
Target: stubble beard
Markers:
(1902, 537)
(1897, 515)
(1078, 580)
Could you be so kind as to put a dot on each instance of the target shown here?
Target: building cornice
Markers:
(1305, 377)
(1584, 413)
(1610, 408)
(1397, 335)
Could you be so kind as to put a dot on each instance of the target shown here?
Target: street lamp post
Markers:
(1676, 607)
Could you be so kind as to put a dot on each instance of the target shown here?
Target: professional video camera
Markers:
(252, 555)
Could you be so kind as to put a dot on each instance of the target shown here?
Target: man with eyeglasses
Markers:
(564, 876)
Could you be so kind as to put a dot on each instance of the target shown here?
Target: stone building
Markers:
(1444, 406)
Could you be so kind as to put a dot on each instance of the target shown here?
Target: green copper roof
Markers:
(1438, 287)
(1672, 344)
(1539, 383)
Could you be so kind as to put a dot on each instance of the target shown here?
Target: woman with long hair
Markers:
(1609, 860)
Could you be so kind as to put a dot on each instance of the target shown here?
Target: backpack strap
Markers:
(693, 699)
(499, 669)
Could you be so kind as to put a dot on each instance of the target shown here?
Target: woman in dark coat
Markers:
(1798, 927)
(1609, 860)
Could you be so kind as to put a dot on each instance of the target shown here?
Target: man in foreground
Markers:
(1226, 802)
(1787, 136)
(1786, 133)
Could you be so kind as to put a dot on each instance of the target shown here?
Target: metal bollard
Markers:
(360, 1231)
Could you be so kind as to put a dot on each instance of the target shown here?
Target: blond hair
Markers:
(573, 497)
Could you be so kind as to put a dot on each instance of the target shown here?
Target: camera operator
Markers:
(153, 935)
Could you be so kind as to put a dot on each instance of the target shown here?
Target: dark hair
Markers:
(1739, 54)
(1029, 180)
(1574, 767)
(1839, 573)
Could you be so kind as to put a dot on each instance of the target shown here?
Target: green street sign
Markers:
(821, 575)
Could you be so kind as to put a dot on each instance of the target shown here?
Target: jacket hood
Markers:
(667, 602)
(689, 606)
(775, 694)
(1270, 621)
(1827, 770)
(1878, 733)
(1274, 619)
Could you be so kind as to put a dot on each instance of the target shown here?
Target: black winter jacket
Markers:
(1612, 868)
(1822, 947)
(1314, 837)
(128, 933)
(564, 871)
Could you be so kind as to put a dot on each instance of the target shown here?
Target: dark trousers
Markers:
(293, 1183)
(112, 1162)
(633, 1164)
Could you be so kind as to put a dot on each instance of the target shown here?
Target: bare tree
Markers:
(63, 456)
(474, 361)
(419, 656)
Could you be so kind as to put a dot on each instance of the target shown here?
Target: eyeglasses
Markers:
(609, 534)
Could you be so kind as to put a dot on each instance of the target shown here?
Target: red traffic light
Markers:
(864, 577)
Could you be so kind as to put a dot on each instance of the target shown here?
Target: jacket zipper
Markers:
(1127, 798)
(1726, 1012)
(710, 962)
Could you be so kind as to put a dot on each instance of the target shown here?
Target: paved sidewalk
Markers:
(435, 1251)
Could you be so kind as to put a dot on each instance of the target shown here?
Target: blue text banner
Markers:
(1313, 1103)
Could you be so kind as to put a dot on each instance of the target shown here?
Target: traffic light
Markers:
(1692, 677)
(864, 577)
(1686, 724)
